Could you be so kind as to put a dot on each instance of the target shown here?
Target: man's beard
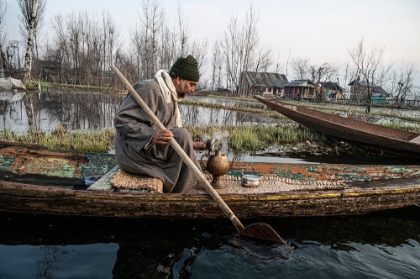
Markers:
(183, 92)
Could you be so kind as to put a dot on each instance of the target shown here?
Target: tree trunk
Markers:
(28, 56)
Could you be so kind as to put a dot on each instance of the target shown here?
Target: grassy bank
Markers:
(60, 139)
(249, 139)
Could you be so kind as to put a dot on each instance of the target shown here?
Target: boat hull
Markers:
(17, 197)
(359, 133)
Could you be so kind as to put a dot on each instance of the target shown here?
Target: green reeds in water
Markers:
(252, 139)
(249, 139)
(62, 139)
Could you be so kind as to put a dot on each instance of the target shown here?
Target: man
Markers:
(141, 147)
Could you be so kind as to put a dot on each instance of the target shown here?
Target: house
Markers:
(359, 91)
(50, 70)
(263, 83)
(332, 90)
(299, 89)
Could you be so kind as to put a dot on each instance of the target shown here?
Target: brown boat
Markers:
(358, 133)
(38, 180)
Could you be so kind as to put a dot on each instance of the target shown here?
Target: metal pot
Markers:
(250, 180)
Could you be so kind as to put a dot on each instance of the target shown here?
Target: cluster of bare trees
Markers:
(238, 50)
(153, 45)
(304, 70)
(83, 46)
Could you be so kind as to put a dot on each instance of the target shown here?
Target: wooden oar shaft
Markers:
(187, 160)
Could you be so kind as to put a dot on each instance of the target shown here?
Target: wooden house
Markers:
(50, 70)
(359, 91)
(263, 83)
(299, 89)
(332, 91)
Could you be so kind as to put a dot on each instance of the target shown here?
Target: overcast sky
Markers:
(319, 30)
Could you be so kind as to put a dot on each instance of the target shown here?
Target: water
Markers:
(380, 245)
(46, 111)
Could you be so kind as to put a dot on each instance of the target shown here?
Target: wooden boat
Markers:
(37, 180)
(358, 133)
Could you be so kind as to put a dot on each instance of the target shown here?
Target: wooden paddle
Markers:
(256, 230)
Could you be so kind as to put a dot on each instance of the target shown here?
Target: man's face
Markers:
(184, 87)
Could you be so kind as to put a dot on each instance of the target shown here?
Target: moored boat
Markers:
(359, 133)
(283, 189)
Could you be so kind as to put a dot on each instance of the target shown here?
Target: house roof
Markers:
(332, 85)
(363, 83)
(266, 79)
(377, 90)
(300, 83)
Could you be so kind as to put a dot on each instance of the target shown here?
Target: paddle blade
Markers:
(262, 231)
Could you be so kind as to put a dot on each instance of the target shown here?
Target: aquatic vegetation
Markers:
(62, 139)
(254, 138)
(249, 139)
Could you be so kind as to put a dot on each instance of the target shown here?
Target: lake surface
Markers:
(46, 111)
(380, 245)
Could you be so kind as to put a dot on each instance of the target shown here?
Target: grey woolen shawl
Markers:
(134, 130)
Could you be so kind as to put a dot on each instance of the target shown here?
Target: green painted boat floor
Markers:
(278, 182)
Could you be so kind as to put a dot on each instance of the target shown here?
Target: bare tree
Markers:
(32, 12)
(85, 46)
(242, 51)
(3, 59)
(183, 34)
(216, 64)
(301, 68)
(146, 39)
(402, 82)
(369, 67)
(324, 72)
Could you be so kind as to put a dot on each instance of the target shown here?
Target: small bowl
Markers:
(250, 180)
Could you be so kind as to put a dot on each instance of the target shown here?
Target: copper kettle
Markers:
(217, 164)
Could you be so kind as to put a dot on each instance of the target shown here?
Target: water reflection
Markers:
(41, 246)
(75, 111)
(83, 111)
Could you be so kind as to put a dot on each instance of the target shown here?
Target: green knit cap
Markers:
(186, 68)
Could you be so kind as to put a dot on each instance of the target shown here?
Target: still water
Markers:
(46, 111)
(380, 245)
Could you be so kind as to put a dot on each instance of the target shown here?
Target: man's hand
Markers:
(199, 145)
(162, 137)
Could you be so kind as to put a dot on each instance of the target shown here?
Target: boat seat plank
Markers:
(103, 184)
(416, 140)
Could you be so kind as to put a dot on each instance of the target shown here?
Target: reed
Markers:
(249, 139)
(254, 138)
(62, 139)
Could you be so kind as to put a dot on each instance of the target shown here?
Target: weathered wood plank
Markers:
(355, 200)
(103, 184)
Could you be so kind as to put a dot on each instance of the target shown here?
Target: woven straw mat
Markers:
(124, 180)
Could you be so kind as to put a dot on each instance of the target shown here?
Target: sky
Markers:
(322, 31)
